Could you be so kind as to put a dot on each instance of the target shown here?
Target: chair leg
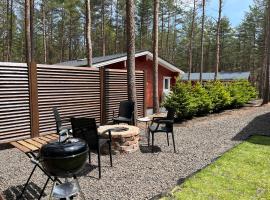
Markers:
(89, 155)
(148, 137)
(99, 166)
(168, 138)
(110, 151)
(173, 142)
(153, 142)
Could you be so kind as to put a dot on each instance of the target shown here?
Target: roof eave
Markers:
(162, 62)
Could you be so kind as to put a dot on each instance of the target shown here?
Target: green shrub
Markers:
(182, 100)
(190, 100)
(203, 100)
(220, 96)
(241, 92)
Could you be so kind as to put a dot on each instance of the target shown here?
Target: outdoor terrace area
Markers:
(142, 174)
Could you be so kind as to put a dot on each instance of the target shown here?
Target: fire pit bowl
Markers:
(64, 159)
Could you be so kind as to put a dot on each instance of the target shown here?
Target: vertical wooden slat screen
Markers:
(116, 91)
(74, 91)
(14, 101)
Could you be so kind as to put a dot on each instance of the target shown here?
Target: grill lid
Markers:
(71, 147)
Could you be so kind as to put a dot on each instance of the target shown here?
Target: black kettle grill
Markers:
(64, 159)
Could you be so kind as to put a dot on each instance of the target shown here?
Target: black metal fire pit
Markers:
(64, 159)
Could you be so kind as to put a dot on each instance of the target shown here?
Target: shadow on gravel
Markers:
(258, 126)
(148, 149)
(31, 192)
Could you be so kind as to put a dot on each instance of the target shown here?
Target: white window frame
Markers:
(169, 81)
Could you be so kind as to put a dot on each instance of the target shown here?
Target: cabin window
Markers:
(166, 84)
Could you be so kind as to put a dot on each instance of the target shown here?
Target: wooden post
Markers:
(102, 74)
(145, 92)
(33, 99)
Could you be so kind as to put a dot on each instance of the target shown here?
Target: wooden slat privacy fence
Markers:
(76, 91)
(14, 101)
(116, 87)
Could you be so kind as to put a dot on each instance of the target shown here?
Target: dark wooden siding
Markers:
(116, 91)
(14, 101)
(74, 91)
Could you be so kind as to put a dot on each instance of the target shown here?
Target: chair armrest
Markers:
(156, 119)
(113, 114)
(66, 119)
(165, 121)
(110, 133)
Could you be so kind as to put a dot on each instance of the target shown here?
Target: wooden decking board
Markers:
(30, 146)
(45, 139)
(33, 142)
(20, 147)
(50, 137)
(40, 141)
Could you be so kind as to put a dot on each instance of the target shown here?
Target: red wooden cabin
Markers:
(167, 72)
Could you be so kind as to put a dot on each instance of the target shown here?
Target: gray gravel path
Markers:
(143, 175)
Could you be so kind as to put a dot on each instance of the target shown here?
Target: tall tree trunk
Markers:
(142, 21)
(174, 38)
(267, 57)
(191, 38)
(162, 30)
(168, 34)
(32, 14)
(218, 40)
(103, 35)
(202, 42)
(10, 31)
(28, 34)
(131, 79)
(155, 57)
(70, 56)
(7, 50)
(62, 33)
(116, 28)
(44, 32)
(88, 33)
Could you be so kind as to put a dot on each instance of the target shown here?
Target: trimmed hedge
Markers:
(196, 100)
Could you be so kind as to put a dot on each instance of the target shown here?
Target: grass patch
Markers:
(243, 173)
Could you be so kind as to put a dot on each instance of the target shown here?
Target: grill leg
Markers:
(44, 187)
(27, 182)
(80, 189)
(54, 183)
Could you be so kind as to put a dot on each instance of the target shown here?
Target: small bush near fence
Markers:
(197, 100)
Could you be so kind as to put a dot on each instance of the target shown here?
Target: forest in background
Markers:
(59, 33)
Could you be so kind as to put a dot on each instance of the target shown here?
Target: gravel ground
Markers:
(143, 175)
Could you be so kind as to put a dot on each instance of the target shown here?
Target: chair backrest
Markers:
(170, 116)
(126, 109)
(170, 113)
(57, 119)
(86, 129)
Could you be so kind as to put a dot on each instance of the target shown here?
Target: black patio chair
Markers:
(126, 113)
(86, 129)
(163, 125)
(60, 129)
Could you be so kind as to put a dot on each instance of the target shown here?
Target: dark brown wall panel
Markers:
(116, 91)
(74, 91)
(14, 102)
